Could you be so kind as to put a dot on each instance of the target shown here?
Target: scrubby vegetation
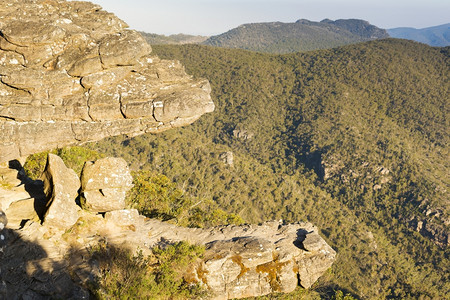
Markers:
(124, 275)
(73, 157)
(156, 196)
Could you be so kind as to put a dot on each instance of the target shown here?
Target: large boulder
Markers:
(61, 186)
(241, 267)
(72, 73)
(104, 184)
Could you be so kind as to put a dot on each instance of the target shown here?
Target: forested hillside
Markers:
(353, 139)
(303, 35)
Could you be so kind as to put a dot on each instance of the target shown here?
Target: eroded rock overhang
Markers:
(71, 72)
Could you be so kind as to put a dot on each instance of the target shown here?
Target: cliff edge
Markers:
(72, 73)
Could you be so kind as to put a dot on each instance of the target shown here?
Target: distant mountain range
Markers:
(303, 35)
(438, 36)
(174, 39)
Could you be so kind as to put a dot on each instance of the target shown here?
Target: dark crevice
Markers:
(121, 107)
(13, 87)
(88, 107)
(6, 39)
(7, 118)
(74, 133)
(100, 58)
(153, 113)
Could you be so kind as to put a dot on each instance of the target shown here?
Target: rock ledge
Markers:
(72, 73)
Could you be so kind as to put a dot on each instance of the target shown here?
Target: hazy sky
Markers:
(210, 17)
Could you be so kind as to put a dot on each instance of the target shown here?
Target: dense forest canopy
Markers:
(353, 139)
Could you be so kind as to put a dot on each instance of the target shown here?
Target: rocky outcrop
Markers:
(73, 73)
(240, 261)
(270, 258)
(21, 198)
(104, 184)
(227, 158)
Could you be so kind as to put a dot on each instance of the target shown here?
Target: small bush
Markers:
(123, 275)
(339, 295)
(156, 196)
(73, 157)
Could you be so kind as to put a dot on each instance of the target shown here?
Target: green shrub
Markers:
(35, 164)
(123, 275)
(73, 157)
(156, 196)
(339, 295)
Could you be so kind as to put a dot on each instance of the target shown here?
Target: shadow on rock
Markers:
(301, 235)
(26, 272)
(35, 205)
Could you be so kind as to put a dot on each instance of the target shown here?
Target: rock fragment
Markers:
(104, 184)
(61, 186)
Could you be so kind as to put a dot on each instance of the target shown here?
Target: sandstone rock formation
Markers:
(104, 184)
(272, 258)
(240, 261)
(71, 73)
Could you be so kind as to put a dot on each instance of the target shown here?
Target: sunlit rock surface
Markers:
(71, 72)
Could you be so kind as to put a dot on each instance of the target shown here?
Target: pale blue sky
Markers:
(210, 17)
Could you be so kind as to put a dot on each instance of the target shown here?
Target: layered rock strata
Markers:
(71, 73)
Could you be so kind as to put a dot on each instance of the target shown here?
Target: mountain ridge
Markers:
(181, 38)
(438, 36)
(302, 35)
